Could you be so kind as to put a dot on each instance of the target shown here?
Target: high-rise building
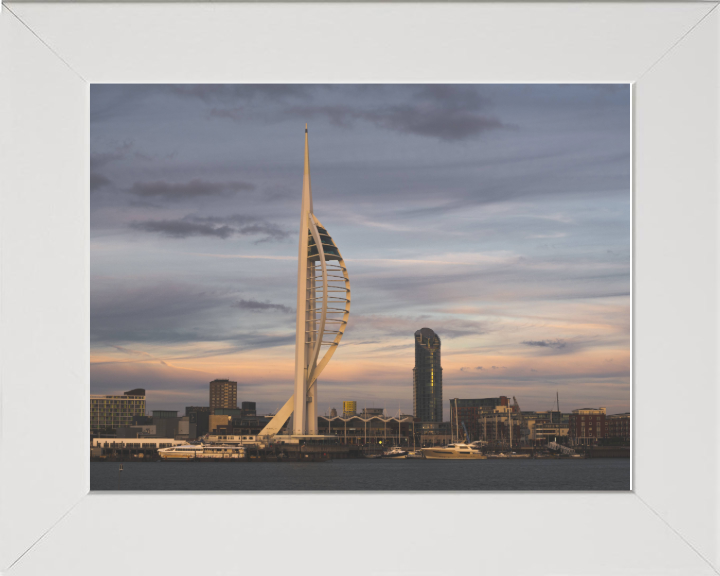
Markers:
(333, 413)
(349, 408)
(223, 394)
(111, 412)
(249, 409)
(427, 377)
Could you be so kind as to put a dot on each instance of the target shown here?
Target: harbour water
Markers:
(366, 474)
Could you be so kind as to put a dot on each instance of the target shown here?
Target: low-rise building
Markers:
(220, 424)
(166, 423)
(124, 448)
(618, 426)
(373, 430)
(587, 425)
(249, 409)
(137, 431)
(199, 415)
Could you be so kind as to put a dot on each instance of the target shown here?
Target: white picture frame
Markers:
(49, 522)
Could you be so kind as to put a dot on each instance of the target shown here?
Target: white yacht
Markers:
(396, 452)
(457, 451)
(202, 451)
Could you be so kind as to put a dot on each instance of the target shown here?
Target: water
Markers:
(366, 474)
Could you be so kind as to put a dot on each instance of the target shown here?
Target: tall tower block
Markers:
(427, 377)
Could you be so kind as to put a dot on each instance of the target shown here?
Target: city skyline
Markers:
(497, 216)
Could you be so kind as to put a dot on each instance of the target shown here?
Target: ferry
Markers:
(457, 451)
(252, 441)
(396, 452)
(202, 451)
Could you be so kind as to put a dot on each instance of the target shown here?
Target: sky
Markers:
(496, 215)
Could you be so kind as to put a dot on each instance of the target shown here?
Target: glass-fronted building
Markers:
(111, 412)
(427, 377)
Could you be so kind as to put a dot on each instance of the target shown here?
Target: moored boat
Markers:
(457, 451)
(396, 452)
(202, 451)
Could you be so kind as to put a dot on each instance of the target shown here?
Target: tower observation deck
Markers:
(323, 306)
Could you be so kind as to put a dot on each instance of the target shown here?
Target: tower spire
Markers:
(323, 305)
(307, 190)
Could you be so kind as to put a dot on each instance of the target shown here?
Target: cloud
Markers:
(423, 119)
(241, 92)
(132, 319)
(256, 306)
(98, 181)
(188, 190)
(448, 113)
(119, 152)
(498, 367)
(478, 368)
(213, 226)
(556, 344)
(182, 229)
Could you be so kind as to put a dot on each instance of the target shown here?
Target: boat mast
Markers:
(398, 424)
(457, 430)
(511, 427)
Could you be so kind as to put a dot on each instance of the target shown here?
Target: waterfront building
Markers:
(141, 420)
(219, 424)
(543, 432)
(377, 430)
(186, 430)
(234, 412)
(137, 431)
(199, 415)
(166, 422)
(618, 426)
(547, 426)
(587, 425)
(427, 377)
(349, 408)
(249, 424)
(130, 447)
(477, 414)
(108, 412)
(323, 307)
(369, 412)
(223, 394)
(249, 408)
(432, 433)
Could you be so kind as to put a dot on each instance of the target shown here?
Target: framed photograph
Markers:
(53, 55)
(483, 231)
